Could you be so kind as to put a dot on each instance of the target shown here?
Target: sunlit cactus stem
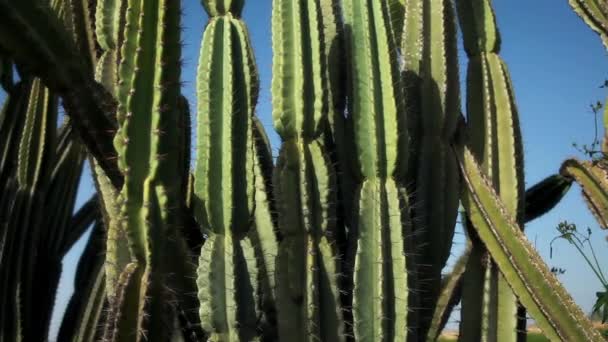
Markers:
(148, 94)
(381, 230)
(235, 265)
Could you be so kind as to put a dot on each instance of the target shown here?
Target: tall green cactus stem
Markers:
(380, 293)
(534, 284)
(431, 75)
(236, 260)
(148, 95)
(593, 179)
(495, 139)
(307, 265)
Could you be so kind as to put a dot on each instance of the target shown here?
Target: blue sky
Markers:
(557, 64)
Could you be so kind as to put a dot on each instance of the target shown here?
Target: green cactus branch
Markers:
(593, 179)
(528, 276)
(545, 195)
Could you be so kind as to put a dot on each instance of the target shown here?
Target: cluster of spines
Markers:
(381, 228)
(495, 139)
(432, 88)
(235, 273)
(307, 265)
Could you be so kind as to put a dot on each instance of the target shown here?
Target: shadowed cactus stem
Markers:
(381, 225)
(308, 299)
(433, 103)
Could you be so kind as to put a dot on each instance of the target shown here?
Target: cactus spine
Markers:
(235, 266)
(307, 283)
(380, 293)
(432, 85)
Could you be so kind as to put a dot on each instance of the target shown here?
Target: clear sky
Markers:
(557, 64)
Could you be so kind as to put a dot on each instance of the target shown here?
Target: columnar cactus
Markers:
(380, 293)
(148, 94)
(432, 88)
(307, 265)
(345, 238)
(495, 139)
(236, 262)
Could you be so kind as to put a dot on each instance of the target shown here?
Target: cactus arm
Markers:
(545, 195)
(593, 179)
(595, 14)
(537, 288)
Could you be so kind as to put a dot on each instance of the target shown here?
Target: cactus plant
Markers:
(432, 87)
(307, 266)
(235, 273)
(344, 237)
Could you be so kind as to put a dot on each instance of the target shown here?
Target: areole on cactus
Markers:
(343, 237)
